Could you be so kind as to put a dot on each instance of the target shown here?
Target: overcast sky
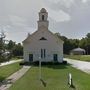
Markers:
(70, 18)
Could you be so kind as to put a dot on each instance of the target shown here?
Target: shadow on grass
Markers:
(43, 82)
(4, 81)
(60, 66)
(73, 87)
(2, 78)
(54, 65)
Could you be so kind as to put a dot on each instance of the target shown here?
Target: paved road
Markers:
(82, 65)
(11, 79)
(10, 62)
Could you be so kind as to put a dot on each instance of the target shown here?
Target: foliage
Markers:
(10, 45)
(3, 53)
(88, 35)
(85, 43)
(18, 50)
(15, 49)
(10, 49)
(70, 44)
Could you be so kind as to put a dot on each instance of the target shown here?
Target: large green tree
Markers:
(85, 43)
(10, 45)
(15, 49)
(2, 47)
(70, 44)
(18, 50)
(88, 35)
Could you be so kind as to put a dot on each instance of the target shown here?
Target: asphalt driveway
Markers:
(82, 65)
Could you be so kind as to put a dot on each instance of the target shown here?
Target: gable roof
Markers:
(30, 36)
(56, 37)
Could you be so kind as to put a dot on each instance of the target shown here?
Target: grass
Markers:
(7, 70)
(56, 78)
(79, 57)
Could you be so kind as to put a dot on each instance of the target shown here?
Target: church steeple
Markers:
(43, 15)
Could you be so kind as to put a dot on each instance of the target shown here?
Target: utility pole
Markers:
(40, 68)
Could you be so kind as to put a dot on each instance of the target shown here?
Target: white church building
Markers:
(43, 44)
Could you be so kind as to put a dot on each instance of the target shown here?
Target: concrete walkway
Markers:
(10, 80)
(82, 65)
(10, 62)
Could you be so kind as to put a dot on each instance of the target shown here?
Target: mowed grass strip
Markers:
(56, 78)
(79, 57)
(7, 70)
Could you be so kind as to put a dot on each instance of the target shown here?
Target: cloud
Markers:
(59, 16)
(17, 21)
(69, 17)
(18, 17)
(84, 1)
(58, 4)
(78, 24)
(17, 34)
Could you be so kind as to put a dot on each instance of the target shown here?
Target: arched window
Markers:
(43, 17)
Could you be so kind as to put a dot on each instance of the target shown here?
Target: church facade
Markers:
(43, 44)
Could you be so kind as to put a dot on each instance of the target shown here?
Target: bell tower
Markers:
(43, 16)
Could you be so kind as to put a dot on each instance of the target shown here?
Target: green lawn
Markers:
(79, 57)
(56, 78)
(7, 70)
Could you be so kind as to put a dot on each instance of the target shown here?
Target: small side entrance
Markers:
(55, 57)
(31, 57)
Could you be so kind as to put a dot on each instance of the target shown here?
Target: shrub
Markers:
(24, 63)
(19, 57)
(36, 63)
(64, 62)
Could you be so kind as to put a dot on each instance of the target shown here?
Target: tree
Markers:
(88, 35)
(82, 43)
(2, 46)
(2, 41)
(69, 44)
(85, 43)
(88, 43)
(18, 50)
(10, 45)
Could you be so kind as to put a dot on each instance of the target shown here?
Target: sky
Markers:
(71, 18)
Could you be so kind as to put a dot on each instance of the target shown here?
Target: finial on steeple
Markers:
(43, 10)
